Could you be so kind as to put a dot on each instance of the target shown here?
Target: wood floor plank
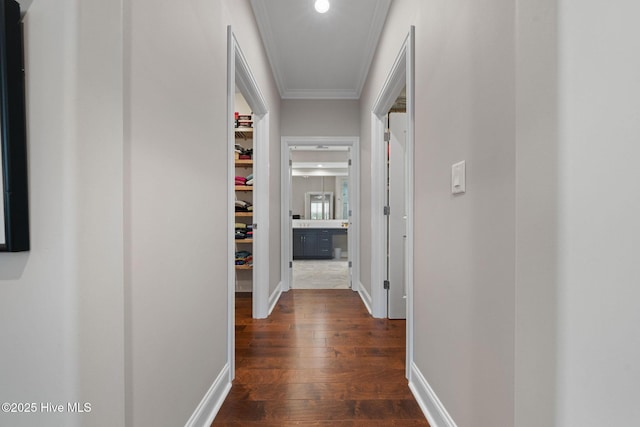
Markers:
(319, 360)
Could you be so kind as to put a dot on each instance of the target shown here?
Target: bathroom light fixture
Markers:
(322, 6)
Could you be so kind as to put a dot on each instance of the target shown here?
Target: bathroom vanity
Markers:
(316, 239)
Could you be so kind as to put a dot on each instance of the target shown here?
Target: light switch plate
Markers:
(458, 178)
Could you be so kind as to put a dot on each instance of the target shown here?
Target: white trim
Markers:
(378, 239)
(231, 273)
(373, 38)
(261, 217)
(365, 297)
(210, 404)
(264, 26)
(319, 94)
(353, 235)
(285, 236)
(428, 401)
(275, 297)
(410, 200)
(246, 83)
(402, 74)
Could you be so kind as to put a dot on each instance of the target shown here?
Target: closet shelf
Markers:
(244, 241)
(244, 214)
(244, 133)
(244, 163)
(244, 188)
(244, 267)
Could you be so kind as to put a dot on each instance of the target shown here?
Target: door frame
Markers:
(402, 73)
(239, 74)
(353, 235)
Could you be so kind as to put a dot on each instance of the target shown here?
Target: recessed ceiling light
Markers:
(319, 166)
(322, 6)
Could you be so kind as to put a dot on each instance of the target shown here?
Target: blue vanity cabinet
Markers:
(314, 243)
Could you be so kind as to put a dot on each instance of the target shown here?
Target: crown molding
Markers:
(264, 27)
(375, 32)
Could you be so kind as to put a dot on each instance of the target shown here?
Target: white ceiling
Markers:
(320, 56)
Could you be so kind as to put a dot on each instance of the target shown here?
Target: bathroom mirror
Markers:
(318, 205)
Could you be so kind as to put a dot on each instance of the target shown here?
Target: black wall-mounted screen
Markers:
(14, 206)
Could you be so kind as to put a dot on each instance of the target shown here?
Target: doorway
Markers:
(402, 75)
(320, 220)
(320, 205)
(240, 80)
(396, 209)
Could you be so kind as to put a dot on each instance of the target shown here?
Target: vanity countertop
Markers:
(320, 223)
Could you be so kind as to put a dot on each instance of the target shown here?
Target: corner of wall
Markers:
(212, 401)
(275, 297)
(428, 401)
(366, 298)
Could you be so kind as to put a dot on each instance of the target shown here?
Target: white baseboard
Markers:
(274, 297)
(433, 409)
(212, 401)
(365, 297)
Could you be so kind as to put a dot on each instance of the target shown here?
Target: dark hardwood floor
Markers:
(319, 360)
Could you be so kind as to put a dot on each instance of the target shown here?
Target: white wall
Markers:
(536, 214)
(320, 117)
(175, 181)
(599, 207)
(175, 167)
(120, 302)
(61, 304)
(527, 285)
(464, 245)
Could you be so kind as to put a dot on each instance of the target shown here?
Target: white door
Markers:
(397, 218)
(289, 227)
(347, 213)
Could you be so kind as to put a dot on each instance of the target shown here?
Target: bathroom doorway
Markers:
(320, 226)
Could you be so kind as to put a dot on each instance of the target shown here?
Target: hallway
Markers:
(320, 359)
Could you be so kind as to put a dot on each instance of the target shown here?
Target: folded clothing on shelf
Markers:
(244, 258)
(242, 206)
(243, 153)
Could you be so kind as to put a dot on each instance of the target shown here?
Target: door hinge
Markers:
(290, 162)
(349, 162)
(290, 264)
(387, 284)
(350, 212)
(387, 210)
(350, 264)
(255, 226)
(387, 136)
